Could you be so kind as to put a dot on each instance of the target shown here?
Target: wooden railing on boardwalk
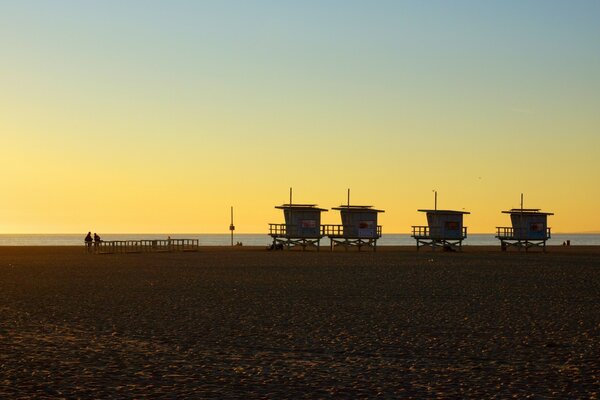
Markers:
(145, 246)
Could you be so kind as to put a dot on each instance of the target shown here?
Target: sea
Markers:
(261, 239)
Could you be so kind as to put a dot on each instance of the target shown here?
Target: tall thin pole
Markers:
(435, 200)
(291, 220)
(522, 216)
(348, 198)
(521, 202)
(231, 226)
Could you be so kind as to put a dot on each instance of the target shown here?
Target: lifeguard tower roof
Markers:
(528, 211)
(444, 211)
(300, 207)
(356, 208)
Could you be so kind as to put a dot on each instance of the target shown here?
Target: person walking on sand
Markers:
(97, 241)
(88, 242)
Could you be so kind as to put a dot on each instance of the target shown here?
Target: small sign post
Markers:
(231, 226)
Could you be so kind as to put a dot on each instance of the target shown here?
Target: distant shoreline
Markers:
(263, 239)
(473, 249)
(242, 234)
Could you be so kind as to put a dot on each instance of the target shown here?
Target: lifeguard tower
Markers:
(444, 228)
(529, 229)
(302, 226)
(358, 229)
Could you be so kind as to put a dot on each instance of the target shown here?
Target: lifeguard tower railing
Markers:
(438, 236)
(146, 246)
(510, 233)
(294, 235)
(351, 236)
(522, 237)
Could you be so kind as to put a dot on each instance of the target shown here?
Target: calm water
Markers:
(264, 239)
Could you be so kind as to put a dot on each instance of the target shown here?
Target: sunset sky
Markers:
(157, 116)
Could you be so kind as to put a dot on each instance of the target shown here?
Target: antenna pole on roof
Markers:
(435, 200)
(286, 228)
(521, 202)
(348, 197)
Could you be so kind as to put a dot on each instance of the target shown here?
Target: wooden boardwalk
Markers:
(144, 246)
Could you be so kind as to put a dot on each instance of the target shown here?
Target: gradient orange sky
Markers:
(125, 116)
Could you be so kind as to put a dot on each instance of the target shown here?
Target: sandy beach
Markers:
(248, 323)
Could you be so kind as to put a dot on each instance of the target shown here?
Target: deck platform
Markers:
(510, 236)
(338, 236)
(287, 236)
(428, 237)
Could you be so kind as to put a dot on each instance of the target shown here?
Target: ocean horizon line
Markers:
(248, 233)
(263, 239)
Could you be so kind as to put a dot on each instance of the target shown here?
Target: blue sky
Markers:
(228, 94)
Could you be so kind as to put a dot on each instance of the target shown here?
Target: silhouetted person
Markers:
(97, 241)
(88, 242)
(449, 248)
